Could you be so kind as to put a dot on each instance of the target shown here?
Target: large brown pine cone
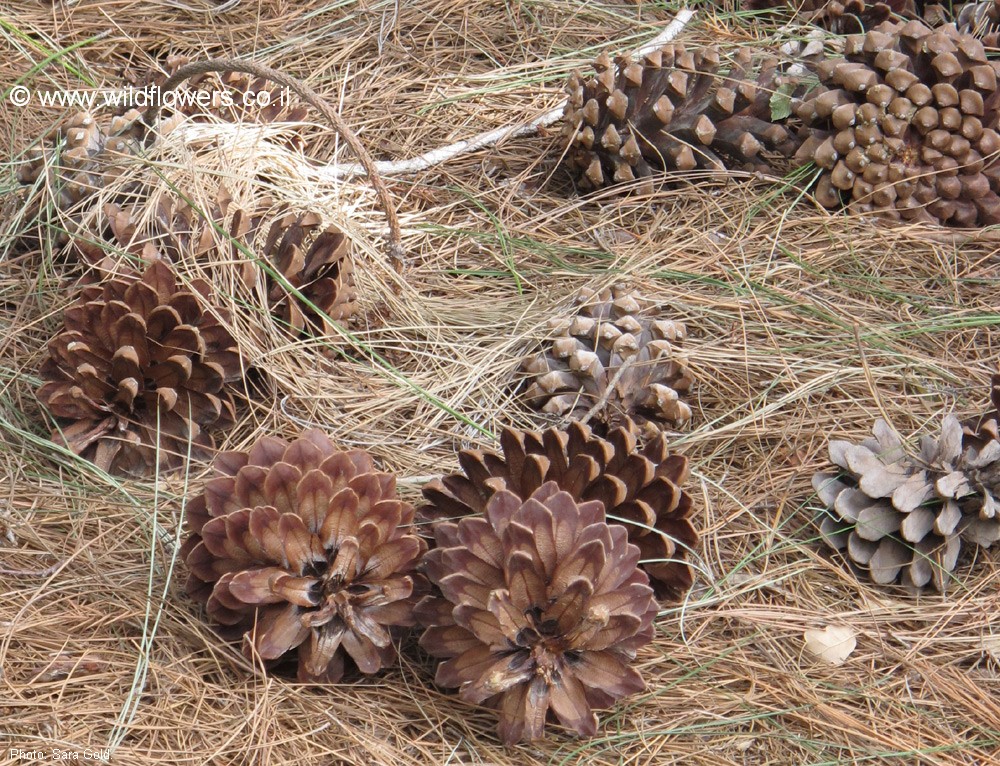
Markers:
(905, 518)
(674, 110)
(582, 366)
(541, 611)
(906, 126)
(639, 486)
(302, 547)
(141, 369)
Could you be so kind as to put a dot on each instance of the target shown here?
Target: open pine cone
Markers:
(841, 16)
(906, 125)
(639, 486)
(314, 261)
(542, 611)
(142, 366)
(82, 155)
(979, 431)
(583, 364)
(673, 111)
(981, 19)
(318, 265)
(300, 546)
(905, 518)
(230, 97)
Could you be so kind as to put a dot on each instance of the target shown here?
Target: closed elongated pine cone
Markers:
(141, 371)
(540, 613)
(302, 549)
(673, 110)
(905, 518)
(640, 487)
(906, 126)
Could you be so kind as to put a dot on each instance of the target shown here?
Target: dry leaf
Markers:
(833, 644)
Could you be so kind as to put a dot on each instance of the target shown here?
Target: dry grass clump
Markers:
(806, 327)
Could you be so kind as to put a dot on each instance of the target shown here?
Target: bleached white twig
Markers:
(445, 153)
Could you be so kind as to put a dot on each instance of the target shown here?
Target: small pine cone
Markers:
(640, 487)
(582, 367)
(230, 97)
(142, 366)
(542, 611)
(82, 156)
(318, 265)
(906, 126)
(904, 518)
(672, 111)
(303, 547)
(316, 262)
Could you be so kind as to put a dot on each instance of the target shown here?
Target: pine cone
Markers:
(142, 365)
(322, 271)
(640, 487)
(82, 156)
(673, 111)
(543, 609)
(906, 125)
(583, 365)
(981, 19)
(979, 431)
(301, 546)
(904, 518)
(841, 16)
(230, 97)
(314, 261)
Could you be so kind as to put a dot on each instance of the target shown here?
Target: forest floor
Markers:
(803, 326)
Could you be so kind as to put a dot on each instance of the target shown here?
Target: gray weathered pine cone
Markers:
(82, 156)
(905, 518)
